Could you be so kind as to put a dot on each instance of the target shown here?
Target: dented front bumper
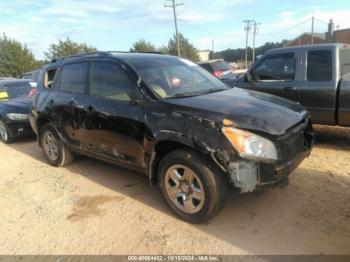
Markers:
(293, 148)
(248, 175)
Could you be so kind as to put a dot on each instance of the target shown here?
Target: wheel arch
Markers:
(165, 146)
(41, 121)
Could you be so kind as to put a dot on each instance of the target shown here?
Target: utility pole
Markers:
(247, 28)
(173, 5)
(254, 35)
(212, 48)
(312, 27)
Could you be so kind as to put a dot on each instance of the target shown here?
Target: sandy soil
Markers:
(91, 207)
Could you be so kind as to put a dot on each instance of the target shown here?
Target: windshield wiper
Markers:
(184, 95)
(214, 90)
(198, 93)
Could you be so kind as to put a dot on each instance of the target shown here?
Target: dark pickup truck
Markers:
(316, 76)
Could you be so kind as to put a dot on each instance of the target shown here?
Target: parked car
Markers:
(2, 78)
(14, 109)
(219, 68)
(32, 75)
(316, 76)
(171, 120)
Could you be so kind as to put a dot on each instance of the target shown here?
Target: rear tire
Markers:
(56, 152)
(193, 187)
(4, 133)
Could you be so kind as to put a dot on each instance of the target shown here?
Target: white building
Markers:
(203, 55)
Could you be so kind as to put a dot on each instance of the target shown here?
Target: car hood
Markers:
(15, 106)
(248, 110)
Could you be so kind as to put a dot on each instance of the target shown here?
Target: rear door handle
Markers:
(288, 89)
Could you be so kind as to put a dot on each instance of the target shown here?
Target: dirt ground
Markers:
(90, 207)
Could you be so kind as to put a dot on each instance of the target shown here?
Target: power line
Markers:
(201, 29)
(173, 5)
(289, 28)
(321, 21)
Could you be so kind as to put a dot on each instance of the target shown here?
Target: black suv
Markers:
(171, 120)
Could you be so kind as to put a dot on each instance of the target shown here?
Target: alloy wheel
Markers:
(3, 131)
(184, 189)
(50, 145)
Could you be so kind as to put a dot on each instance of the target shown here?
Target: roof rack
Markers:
(99, 53)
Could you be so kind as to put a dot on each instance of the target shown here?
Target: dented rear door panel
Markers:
(114, 130)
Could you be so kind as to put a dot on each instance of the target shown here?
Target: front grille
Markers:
(292, 148)
(298, 140)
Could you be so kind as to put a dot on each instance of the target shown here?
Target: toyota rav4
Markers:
(171, 120)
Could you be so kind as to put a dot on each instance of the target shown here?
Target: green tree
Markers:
(234, 55)
(187, 50)
(67, 47)
(143, 46)
(15, 58)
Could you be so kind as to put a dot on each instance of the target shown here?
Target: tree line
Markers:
(238, 54)
(16, 58)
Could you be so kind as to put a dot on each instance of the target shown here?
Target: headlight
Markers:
(250, 145)
(13, 116)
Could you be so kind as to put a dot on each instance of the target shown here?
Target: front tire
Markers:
(193, 187)
(56, 152)
(4, 133)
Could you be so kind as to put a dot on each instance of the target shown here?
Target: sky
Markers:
(117, 24)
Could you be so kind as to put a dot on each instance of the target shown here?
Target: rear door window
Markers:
(73, 78)
(319, 65)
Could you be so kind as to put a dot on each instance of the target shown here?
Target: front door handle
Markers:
(288, 89)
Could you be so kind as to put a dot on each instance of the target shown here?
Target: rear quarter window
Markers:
(319, 65)
(344, 55)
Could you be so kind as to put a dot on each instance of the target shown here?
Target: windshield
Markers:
(17, 91)
(176, 77)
